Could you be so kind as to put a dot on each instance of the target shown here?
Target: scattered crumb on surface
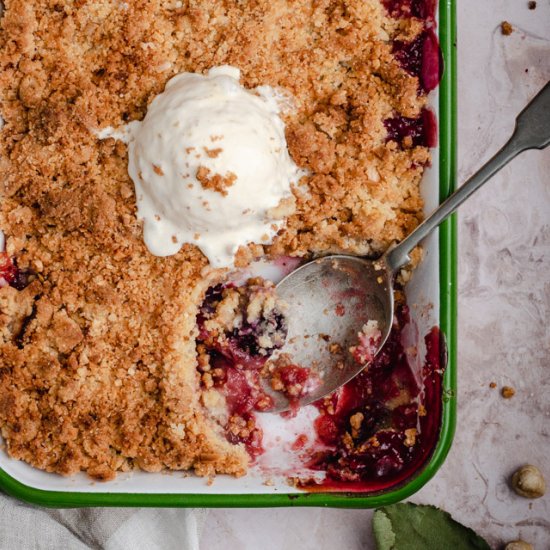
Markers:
(508, 392)
(493, 385)
(532, 5)
(506, 28)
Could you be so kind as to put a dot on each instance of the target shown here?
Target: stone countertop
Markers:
(504, 313)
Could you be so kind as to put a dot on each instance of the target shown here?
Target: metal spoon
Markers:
(331, 298)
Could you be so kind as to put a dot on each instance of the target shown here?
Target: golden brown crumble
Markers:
(213, 153)
(355, 422)
(98, 355)
(506, 28)
(410, 437)
(215, 182)
(290, 390)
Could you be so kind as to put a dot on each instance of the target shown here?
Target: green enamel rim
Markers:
(448, 308)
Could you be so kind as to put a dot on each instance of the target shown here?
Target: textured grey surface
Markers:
(504, 313)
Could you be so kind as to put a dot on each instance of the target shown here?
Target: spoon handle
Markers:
(532, 131)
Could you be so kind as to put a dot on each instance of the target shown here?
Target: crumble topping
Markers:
(98, 348)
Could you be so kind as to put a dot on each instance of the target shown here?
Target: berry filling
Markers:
(11, 275)
(239, 329)
(381, 427)
(422, 9)
(413, 132)
(291, 380)
(373, 433)
(421, 58)
(244, 323)
(242, 397)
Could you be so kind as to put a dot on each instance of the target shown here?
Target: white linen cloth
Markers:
(27, 527)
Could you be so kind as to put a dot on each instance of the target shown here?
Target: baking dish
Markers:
(432, 290)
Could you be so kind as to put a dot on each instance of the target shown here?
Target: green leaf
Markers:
(414, 527)
(383, 532)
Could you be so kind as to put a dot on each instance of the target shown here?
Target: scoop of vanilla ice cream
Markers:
(210, 166)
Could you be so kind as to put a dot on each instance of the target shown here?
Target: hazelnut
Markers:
(519, 545)
(528, 482)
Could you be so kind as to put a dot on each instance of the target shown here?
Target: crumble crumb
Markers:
(355, 422)
(288, 378)
(493, 385)
(410, 437)
(373, 442)
(506, 28)
(335, 348)
(215, 182)
(278, 382)
(532, 5)
(369, 339)
(508, 392)
(213, 153)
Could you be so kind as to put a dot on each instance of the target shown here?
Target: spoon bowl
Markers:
(330, 300)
